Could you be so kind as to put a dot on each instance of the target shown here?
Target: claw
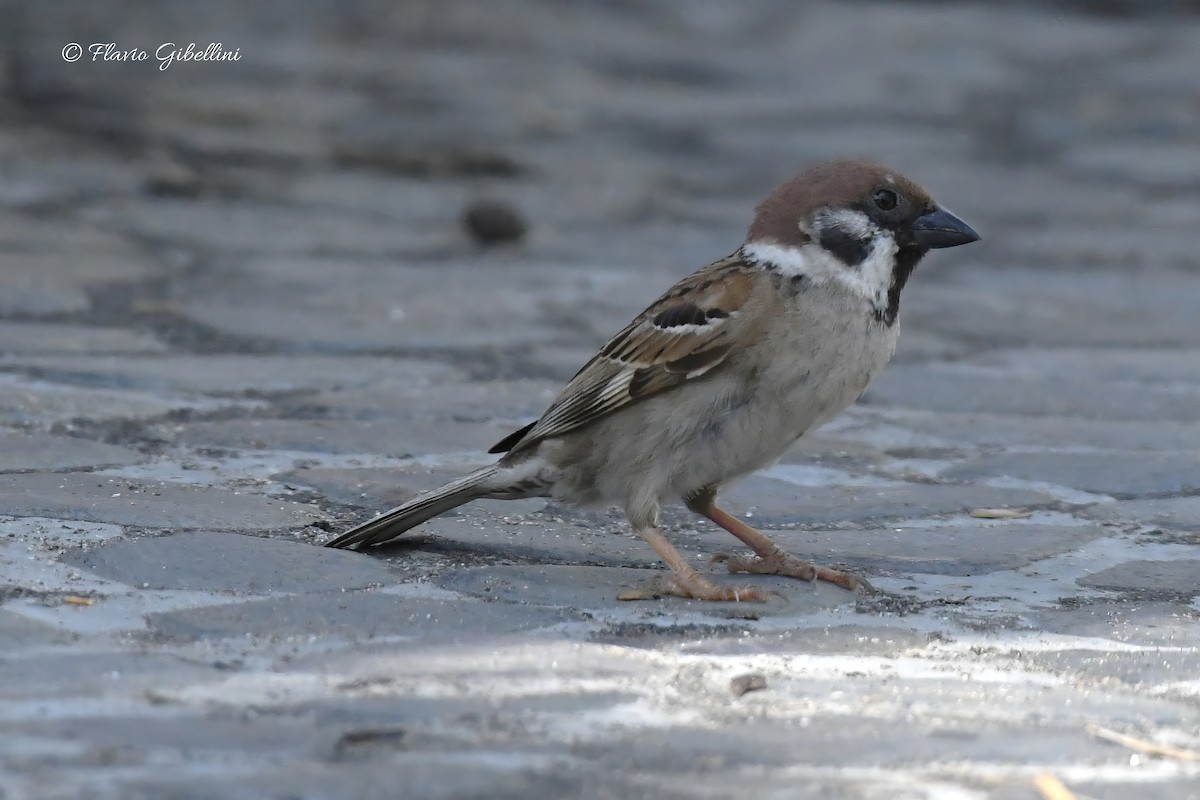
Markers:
(780, 563)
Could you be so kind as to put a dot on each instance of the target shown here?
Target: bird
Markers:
(719, 376)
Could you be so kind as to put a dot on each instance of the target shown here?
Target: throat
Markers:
(906, 260)
(872, 277)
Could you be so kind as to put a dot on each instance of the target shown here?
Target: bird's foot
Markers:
(781, 563)
(695, 587)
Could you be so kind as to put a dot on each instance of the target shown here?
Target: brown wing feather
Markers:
(686, 333)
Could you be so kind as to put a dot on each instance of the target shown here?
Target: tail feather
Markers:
(391, 524)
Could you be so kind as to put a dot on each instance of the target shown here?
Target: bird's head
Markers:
(854, 223)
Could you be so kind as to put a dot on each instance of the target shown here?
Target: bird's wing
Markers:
(686, 333)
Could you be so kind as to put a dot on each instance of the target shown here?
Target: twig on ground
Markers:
(1143, 745)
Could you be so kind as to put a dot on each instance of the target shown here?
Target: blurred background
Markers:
(311, 195)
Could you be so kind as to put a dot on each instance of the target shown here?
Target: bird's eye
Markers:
(885, 199)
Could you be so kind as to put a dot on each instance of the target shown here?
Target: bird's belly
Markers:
(786, 399)
(716, 429)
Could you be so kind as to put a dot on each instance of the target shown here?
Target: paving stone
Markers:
(577, 587)
(151, 504)
(1175, 513)
(28, 402)
(895, 428)
(844, 640)
(381, 305)
(1115, 473)
(1129, 620)
(964, 549)
(178, 735)
(851, 741)
(520, 401)
(770, 503)
(40, 284)
(229, 562)
(969, 548)
(21, 452)
(427, 775)
(1018, 306)
(248, 226)
(55, 681)
(378, 487)
(951, 388)
(19, 633)
(1167, 367)
(355, 615)
(230, 374)
(1158, 666)
(37, 338)
(1156, 577)
(56, 533)
(386, 437)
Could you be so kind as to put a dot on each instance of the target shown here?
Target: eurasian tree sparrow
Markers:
(719, 376)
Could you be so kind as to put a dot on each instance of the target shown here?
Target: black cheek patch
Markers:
(850, 250)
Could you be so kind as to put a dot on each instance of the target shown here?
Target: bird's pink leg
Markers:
(685, 581)
(771, 558)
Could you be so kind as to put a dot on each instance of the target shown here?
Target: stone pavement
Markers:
(238, 312)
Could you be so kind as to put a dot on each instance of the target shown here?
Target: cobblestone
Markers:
(239, 311)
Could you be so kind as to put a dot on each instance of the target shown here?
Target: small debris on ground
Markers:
(492, 222)
(1143, 745)
(1051, 788)
(750, 682)
(1000, 513)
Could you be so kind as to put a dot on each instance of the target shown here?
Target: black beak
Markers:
(939, 228)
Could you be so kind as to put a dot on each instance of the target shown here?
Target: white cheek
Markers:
(854, 223)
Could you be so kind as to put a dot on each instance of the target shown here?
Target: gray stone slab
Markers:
(1129, 620)
(151, 504)
(415, 308)
(1117, 473)
(1175, 513)
(863, 639)
(1019, 306)
(1164, 367)
(251, 226)
(520, 401)
(1181, 577)
(20, 452)
(53, 534)
(52, 283)
(232, 374)
(396, 438)
(58, 679)
(898, 428)
(1139, 670)
(966, 549)
(35, 403)
(355, 615)
(230, 562)
(771, 503)
(574, 587)
(381, 772)
(38, 338)
(17, 632)
(372, 487)
(844, 739)
(942, 387)
(974, 547)
(180, 734)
